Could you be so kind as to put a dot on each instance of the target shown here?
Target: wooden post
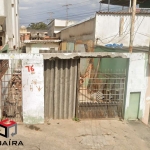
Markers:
(132, 26)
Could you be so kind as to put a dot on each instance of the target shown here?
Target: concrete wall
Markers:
(32, 86)
(35, 48)
(51, 29)
(111, 29)
(84, 31)
(57, 25)
(137, 81)
(10, 10)
(146, 118)
(33, 91)
(63, 23)
(2, 10)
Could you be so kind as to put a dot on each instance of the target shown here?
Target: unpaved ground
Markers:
(83, 135)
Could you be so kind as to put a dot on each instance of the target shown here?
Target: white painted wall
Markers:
(57, 25)
(63, 23)
(9, 8)
(137, 80)
(33, 91)
(34, 48)
(107, 30)
(2, 10)
(83, 31)
(33, 101)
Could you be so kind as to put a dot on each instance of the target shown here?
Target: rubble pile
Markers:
(14, 99)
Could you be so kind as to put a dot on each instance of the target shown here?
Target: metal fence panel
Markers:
(103, 96)
(60, 88)
(11, 90)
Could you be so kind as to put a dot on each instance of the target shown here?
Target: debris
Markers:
(33, 127)
(14, 98)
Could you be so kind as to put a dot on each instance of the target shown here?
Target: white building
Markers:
(42, 46)
(9, 22)
(109, 32)
(57, 25)
(107, 28)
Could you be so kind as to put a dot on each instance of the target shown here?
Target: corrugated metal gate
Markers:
(60, 88)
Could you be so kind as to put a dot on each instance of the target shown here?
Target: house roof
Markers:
(122, 2)
(37, 31)
(83, 55)
(41, 41)
(92, 17)
(139, 12)
(139, 49)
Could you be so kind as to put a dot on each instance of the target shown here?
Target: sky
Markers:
(33, 11)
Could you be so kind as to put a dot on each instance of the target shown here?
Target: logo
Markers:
(7, 124)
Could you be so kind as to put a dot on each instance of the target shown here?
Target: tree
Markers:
(37, 26)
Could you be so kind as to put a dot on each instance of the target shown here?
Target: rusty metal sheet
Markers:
(60, 88)
(86, 55)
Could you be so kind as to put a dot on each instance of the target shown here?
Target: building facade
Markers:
(110, 32)
(9, 22)
(42, 46)
(57, 25)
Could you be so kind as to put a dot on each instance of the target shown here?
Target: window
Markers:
(1, 43)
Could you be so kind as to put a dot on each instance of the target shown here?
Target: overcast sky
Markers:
(32, 11)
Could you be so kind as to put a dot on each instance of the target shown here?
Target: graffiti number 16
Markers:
(30, 68)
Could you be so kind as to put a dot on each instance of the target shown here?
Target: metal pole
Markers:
(100, 6)
(130, 5)
(132, 25)
(108, 4)
(51, 16)
(67, 7)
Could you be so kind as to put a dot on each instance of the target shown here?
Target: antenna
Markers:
(100, 6)
(51, 16)
(67, 7)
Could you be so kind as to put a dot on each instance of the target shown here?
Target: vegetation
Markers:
(76, 119)
(37, 26)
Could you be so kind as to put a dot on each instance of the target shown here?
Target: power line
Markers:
(74, 16)
(57, 8)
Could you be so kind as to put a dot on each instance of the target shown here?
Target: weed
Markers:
(76, 119)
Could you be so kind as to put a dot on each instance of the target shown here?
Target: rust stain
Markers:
(34, 82)
(31, 88)
(39, 88)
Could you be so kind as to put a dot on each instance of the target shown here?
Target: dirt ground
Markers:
(83, 135)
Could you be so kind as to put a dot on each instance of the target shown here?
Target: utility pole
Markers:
(100, 6)
(108, 5)
(67, 7)
(132, 26)
(130, 5)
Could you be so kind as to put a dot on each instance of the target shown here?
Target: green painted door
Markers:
(134, 106)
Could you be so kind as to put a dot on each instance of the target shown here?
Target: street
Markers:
(82, 135)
